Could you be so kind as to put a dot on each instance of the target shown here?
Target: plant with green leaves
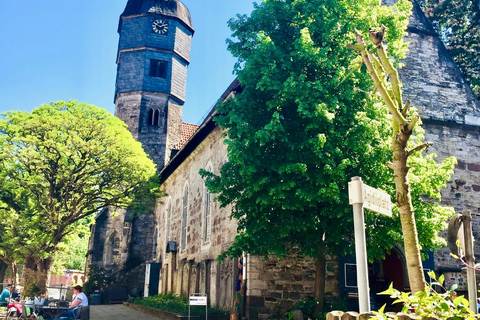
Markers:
(172, 303)
(72, 250)
(34, 283)
(429, 303)
(61, 163)
(304, 124)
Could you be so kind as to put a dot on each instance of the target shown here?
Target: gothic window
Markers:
(112, 248)
(155, 243)
(156, 117)
(158, 68)
(207, 229)
(167, 222)
(153, 117)
(184, 219)
(150, 117)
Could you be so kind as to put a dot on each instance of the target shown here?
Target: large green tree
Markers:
(61, 163)
(458, 22)
(304, 124)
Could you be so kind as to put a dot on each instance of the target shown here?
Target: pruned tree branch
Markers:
(419, 148)
(377, 39)
(391, 104)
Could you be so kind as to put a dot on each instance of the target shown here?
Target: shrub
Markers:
(97, 279)
(170, 302)
(34, 283)
(430, 303)
(307, 306)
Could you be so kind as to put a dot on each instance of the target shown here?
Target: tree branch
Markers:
(419, 148)
(377, 38)
(391, 105)
(405, 108)
(412, 124)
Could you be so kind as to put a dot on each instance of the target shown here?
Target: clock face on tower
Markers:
(160, 26)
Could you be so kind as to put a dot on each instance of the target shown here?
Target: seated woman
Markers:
(79, 300)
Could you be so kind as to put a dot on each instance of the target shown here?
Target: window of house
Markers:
(153, 117)
(207, 229)
(150, 117)
(158, 68)
(156, 117)
(112, 248)
(167, 222)
(155, 244)
(184, 219)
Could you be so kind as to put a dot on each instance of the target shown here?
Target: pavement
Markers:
(117, 312)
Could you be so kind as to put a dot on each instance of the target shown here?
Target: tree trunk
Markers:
(13, 272)
(407, 216)
(320, 264)
(3, 269)
(42, 265)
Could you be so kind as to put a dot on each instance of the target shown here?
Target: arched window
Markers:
(167, 221)
(155, 244)
(111, 248)
(207, 229)
(184, 219)
(156, 118)
(150, 117)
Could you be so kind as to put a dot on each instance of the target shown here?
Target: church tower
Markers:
(152, 60)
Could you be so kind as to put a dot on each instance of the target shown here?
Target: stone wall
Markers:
(110, 240)
(274, 286)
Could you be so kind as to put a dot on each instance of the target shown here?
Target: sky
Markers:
(54, 50)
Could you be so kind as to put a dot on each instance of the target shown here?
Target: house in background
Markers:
(174, 248)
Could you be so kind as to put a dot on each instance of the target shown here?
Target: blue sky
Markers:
(65, 49)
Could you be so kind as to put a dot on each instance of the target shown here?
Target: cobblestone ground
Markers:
(117, 312)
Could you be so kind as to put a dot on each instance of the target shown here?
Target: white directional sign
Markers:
(198, 301)
(371, 198)
(377, 200)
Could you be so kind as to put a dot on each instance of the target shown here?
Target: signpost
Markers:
(198, 299)
(362, 196)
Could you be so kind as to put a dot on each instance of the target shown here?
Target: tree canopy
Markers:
(61, 163)
(304, 124)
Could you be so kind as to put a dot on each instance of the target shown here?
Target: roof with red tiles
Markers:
(188, 130)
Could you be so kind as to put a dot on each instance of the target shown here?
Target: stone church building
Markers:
(174, 247)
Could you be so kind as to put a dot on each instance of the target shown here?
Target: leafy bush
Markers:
(170, 302)
(98, 279)
(34, 283)
(307, 306)
(430, 303)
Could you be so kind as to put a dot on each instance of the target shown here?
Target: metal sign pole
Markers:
(470, 260)
(357, 195)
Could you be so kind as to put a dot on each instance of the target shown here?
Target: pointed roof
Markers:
(170, 8)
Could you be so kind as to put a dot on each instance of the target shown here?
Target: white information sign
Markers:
(198, 301)
(372, 199)
(377, 201)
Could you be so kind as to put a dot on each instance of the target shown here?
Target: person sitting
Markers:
(16, 294)
(40, 300)
(36, 303)
(5, 296)
(79, 300)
